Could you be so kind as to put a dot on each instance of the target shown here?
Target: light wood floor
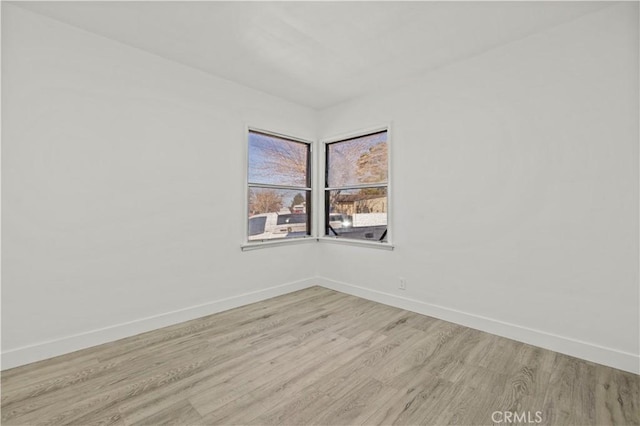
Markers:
(316, 357)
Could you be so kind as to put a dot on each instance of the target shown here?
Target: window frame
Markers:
(321, 193)
(255, 244)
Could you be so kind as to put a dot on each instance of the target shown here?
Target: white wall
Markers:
(515, 197)
(123, 190)
(515, 191)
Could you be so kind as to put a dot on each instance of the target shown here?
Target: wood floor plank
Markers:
(315, 356)
(617, 397)
(421, 401)
(148, 403)
(278, 371)
(570, 398)
(415, 355)
(132, 366)
(275, 397)
(283, 382)
(179, 413)
(355, 406)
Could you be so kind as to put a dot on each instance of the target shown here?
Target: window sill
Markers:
(283, 242)
(358, 243)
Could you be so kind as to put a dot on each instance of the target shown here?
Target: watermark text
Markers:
(515, 417)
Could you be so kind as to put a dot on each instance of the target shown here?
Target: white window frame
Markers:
(257, 244)
(320, 193)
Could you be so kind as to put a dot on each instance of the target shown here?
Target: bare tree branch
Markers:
(264, 201)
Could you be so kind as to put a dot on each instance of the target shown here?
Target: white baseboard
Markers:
(579, 349)
(39, 351)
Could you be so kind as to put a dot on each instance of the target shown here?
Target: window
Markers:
(356, 187)
(279, 187)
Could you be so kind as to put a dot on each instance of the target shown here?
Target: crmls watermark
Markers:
(510, 417)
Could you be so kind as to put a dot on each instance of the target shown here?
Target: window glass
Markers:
(356, 188)
(277, 161)
(358, 161)
(292, 218)
(279, 193)
(257, 225)
(357, 213)
(272, 200)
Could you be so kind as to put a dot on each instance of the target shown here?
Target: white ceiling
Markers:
(316, 54)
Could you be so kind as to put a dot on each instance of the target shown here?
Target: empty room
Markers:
(320, 213)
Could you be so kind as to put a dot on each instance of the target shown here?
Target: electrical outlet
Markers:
(403, 284)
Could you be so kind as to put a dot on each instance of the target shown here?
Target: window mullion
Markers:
(360, 186)
(266, 185)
